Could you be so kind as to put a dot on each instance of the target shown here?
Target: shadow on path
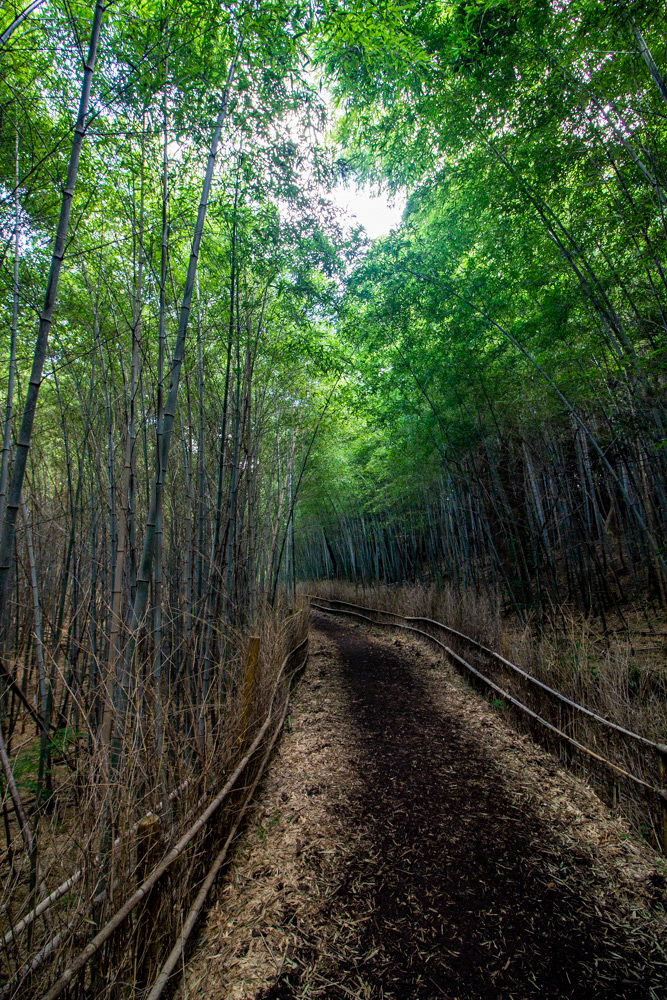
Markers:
(465, 892)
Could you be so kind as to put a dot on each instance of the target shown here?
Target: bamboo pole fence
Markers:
(132, 927)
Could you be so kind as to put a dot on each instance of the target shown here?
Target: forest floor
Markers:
(408, 844)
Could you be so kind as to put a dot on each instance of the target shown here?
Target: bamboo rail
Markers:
(659, 793)
(152, 877)
(13, 933)
(151, 880)
(193, 915)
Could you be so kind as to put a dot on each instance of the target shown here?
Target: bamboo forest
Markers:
(230, 405)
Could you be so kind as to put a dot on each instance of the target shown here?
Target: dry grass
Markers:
(90, 827)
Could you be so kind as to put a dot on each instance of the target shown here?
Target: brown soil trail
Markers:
(460, 882)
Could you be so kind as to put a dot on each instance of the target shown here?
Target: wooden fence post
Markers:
(249, 681)
(146, 944)
(662, 782)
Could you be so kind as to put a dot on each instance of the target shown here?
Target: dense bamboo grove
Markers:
(505, 425)
(213, 386)
(168, 274)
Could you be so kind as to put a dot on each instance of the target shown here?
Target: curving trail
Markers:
(460, 895)
(458, 885)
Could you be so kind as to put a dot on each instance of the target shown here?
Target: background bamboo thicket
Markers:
(535, 520)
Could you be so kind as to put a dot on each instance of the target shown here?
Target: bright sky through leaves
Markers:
(376, 213)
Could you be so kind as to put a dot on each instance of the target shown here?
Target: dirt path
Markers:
(409, 845)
